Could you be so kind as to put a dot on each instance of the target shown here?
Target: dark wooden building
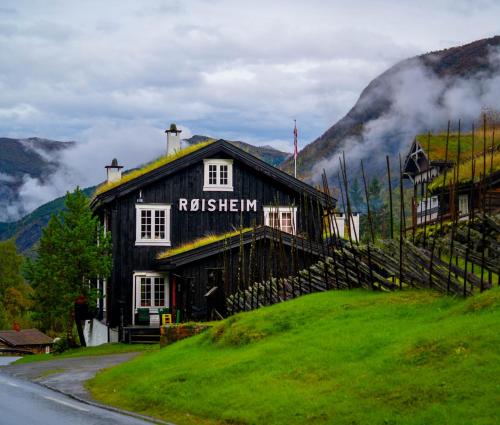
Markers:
(211, 215)
(448, 181)
(25, 341)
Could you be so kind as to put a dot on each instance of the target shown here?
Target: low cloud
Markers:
(420, 102)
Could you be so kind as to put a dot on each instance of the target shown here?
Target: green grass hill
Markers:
(340, 357)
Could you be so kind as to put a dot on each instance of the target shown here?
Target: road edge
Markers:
(92, 403)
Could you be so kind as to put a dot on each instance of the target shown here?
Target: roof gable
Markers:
(25, 337)
(218, 147)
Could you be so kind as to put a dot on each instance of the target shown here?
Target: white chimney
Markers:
(114, 171)
(173, 139)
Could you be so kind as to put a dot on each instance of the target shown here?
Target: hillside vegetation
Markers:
(342, 357)
(27, 231)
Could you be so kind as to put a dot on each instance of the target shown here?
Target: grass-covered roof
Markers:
(463, 173)
(160, 162)
(435, 145)
(205, 240)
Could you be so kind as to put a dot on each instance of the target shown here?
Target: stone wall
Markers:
(175, 332)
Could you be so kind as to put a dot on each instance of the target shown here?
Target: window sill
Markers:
(217, 188)
(152, 243)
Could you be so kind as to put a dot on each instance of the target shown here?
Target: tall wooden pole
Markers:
(391, 218)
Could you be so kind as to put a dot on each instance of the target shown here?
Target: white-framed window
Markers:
(152, 224)
(281, 217)
(218, 175)
(151, 291)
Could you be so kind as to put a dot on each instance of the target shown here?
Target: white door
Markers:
(150, 291)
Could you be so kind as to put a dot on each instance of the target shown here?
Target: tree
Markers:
(14, 292)
(73, 253)
(378, 208)
(356, 197)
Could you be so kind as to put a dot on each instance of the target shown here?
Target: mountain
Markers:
(25, 158)
(38, 159)
(448, 72)
(266, 153)
(28, 230)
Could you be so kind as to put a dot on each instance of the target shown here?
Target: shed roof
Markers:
(166, 166)
(233, 241)
(25, 337)
(435, 145)
(463, 174)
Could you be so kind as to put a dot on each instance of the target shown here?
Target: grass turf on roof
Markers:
(160, 162)
(464, 171)
(197, 243)
(435, 147)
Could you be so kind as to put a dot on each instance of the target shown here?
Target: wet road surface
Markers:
(70, 373)
(22, 402)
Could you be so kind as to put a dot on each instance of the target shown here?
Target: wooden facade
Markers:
(461, 197)
(181, 184)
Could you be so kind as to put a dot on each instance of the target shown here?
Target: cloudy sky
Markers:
(115, 73)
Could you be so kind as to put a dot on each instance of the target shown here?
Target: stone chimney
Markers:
(173, 139)
(114, 171)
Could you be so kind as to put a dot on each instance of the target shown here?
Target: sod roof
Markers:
(151, 166)
(171, 164)
(216, 244)
(435, 145)
(205, 240)
(464, 172)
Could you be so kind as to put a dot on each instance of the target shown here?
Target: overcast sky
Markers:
(123, 70)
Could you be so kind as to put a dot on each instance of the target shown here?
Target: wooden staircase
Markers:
(142, 335)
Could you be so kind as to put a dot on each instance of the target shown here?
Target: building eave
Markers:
(260, 233)
(196, 156)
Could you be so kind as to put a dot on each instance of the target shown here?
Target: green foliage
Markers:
(341, 357)
(60, 345)
(356, 197)
(10, 267)
(68, 259)
(28, 230)
(14, 293)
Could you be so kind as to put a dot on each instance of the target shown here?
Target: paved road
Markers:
(70, 373)
(23, 402)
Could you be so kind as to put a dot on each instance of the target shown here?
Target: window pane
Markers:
(286, 222)
(274, 219)
(159, 292)
(212, 174)
(145, 292)
(146, 224)
(160, 224)
(223, 175)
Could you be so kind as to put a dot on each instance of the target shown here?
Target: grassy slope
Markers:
(88, 351)
(339, 357)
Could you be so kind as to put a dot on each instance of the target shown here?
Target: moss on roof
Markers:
(435, 147)
(160, 162)
(464, 171)
(197, 243)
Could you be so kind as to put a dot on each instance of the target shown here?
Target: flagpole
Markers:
(295, 149)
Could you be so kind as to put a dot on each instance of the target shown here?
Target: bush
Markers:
(61, 344)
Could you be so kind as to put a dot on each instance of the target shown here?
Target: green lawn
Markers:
(350, 357)
(89, 351)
